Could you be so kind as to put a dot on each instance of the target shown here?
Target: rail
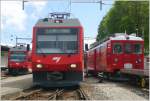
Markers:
(82, 94)
(57, 94)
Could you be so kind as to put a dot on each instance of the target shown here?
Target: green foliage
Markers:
(129, 16)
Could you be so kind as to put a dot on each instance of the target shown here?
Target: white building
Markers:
(4, 56)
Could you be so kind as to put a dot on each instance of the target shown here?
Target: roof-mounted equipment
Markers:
(59, 15)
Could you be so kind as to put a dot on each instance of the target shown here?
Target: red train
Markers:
(115, 55)
(18, 60)
(57, 51)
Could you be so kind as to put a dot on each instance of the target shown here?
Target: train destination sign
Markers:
(50, 31)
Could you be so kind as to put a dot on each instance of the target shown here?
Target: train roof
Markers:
(126, 37)
(18, 48)
(118, 36)
(52, 23)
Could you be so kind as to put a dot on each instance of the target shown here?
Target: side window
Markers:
(117, 48)
(137, 48)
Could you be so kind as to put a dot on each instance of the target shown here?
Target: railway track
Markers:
(82, 94)
(57, 94)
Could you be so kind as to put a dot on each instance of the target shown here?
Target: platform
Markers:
(16, 84)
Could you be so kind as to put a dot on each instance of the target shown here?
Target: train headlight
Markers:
(39, 65)
(116, 60)
(73, 66)
(139, 61)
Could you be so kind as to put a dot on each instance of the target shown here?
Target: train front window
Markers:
(17, 57)
(128, 48)
(137, 48)
(57, 40)
(117, 48)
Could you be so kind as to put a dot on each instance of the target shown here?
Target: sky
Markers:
(18, 22)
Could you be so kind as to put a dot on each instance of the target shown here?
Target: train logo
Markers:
(56, 59)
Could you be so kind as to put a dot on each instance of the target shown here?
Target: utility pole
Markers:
(23, 2)
(100, 4)
(17, 38)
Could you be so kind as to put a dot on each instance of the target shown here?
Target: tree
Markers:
(132, 16)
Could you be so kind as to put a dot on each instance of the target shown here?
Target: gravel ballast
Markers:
(109, 90)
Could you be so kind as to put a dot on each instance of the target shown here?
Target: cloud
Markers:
(89, 41)
(38, 7)
(13, 15)
(2, 25)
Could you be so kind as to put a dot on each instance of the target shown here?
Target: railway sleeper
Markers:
(24, 95)
(56, 94)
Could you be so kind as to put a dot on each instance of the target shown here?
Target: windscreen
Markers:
(17, 57)
(137, 48)
(57, 40)
(128, 48)
(131, 48)
(117, 48)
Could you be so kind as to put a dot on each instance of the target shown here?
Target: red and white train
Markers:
(19, 60)
(57, 51)
(119, 55)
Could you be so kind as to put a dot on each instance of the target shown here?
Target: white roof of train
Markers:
(124, 37)
(18, 48)
(119, 36)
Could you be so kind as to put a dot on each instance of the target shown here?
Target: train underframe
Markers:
(17, 71)
(139, 80)
(57, 79)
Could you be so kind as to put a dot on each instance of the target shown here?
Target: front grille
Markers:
(55, 76)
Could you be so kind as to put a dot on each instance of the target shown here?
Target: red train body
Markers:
(119, 52)
(18, 60)
(57, 52)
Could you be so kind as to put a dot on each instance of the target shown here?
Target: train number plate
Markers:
(127, 65)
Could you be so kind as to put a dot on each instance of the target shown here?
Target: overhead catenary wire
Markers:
(70, 2)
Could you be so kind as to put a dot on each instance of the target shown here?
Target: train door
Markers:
(128, 56)
(95, 57)
(99, 67)
(109, 54)
(117, 55)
